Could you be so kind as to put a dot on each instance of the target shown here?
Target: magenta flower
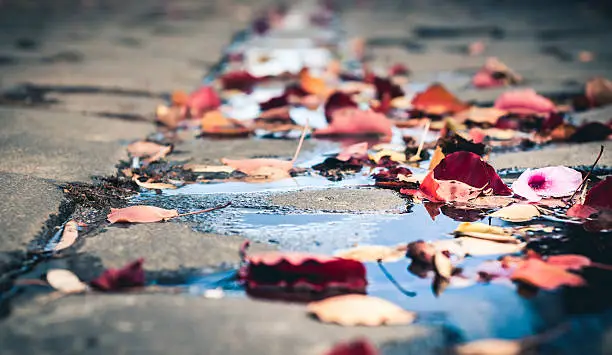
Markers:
(552, 181)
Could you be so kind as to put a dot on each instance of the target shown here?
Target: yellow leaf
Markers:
(365, 253)
(436, 158)
(517, 213)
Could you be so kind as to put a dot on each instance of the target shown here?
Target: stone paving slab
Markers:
(177, 324)
(342, 200)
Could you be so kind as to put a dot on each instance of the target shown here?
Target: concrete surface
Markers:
(342, 200)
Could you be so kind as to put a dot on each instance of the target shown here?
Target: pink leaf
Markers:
(546, 276)
(140, 214)
(525, 101)
(353, 121)
(251, 166)
(581, 211)
(358, 150)
(131, 275)
(202, 100)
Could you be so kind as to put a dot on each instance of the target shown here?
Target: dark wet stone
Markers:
(449, 32)
(26, 44)
(179, 324)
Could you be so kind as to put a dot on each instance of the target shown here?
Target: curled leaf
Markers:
(69, 236)
(140, 214)
(152, 185)
(65, 281)
(353, 310)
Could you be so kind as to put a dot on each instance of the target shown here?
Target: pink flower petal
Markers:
(552, 181)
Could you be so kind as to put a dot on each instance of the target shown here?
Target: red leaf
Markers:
(437, 100)
(470, 169)
(525, 101)
(581, 211)
(239, 80)
(600, 195)
(569, 261)
(140, 214)
(385, 88)
(546, 276)
(202, 100)
(284, 99)
(286, 272)
(353, 121)
(337, 101)
(131, 275)
(356, 347)
(399, 69)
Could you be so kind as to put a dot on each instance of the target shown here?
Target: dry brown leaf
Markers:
(475, 247)
(487, 232)
(492, 237)
(251, 166)
(436, 158)
(488, 115)
(69, 236)
(266, 174)
(354, 309)
(197, 168)
(157, 156)
(490, 347)
(65, 281)
(152, 185)
(517, 213)
(142, 149)
(490, 201)
(365, 253)
(443, 265)
(216, 124)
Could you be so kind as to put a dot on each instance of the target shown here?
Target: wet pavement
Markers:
(95, 79)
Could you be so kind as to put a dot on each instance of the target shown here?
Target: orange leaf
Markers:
(140, 214)
(436, 158)
(543, 275)
(437, 100)
(251, 166)
(179, 98)
(312, 85)
(215, 123)
(351, 310)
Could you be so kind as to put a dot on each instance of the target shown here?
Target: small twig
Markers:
(422, 143)
(394, 282)
(299, 147)
(199, 212)
(587, 175)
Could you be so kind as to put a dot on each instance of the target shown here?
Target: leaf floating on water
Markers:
(65, 281)
(490, 347)
(443, 265)
(517, 213)
(69, 236)
(476, 247)
(540, 274)
(365, 253)
(353, 310)
(485, 231)
(569, 261)
(131, 275)
(581, 211)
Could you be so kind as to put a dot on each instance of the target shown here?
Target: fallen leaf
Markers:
(436, 158)
(524, 101)
(490, 347)
(358, 150)
(354, 310)
(442, 265)
(270, 273)
(336, 101)
(490, 202)
(437, 100)
(252, 166)
(590, 132)
(495, 73)
(599, 91)
(485, 231)
(152, 185)
(353, 121)
(540, 274)
(69, 236)
(569, 261)
(517, 212)
(581, 211)
(398, 157)
(157, 156)
(600, 195)
(197, 168)
(238, 80)
(169, 116)
(214, 123)
(140, 214)
(313, 85)
(65, 281)
(365, 253)
(266, 174)
(356, 347)
(488, 115)
(478, 247)
(143, 149)
(131, 275)
(202, 100)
